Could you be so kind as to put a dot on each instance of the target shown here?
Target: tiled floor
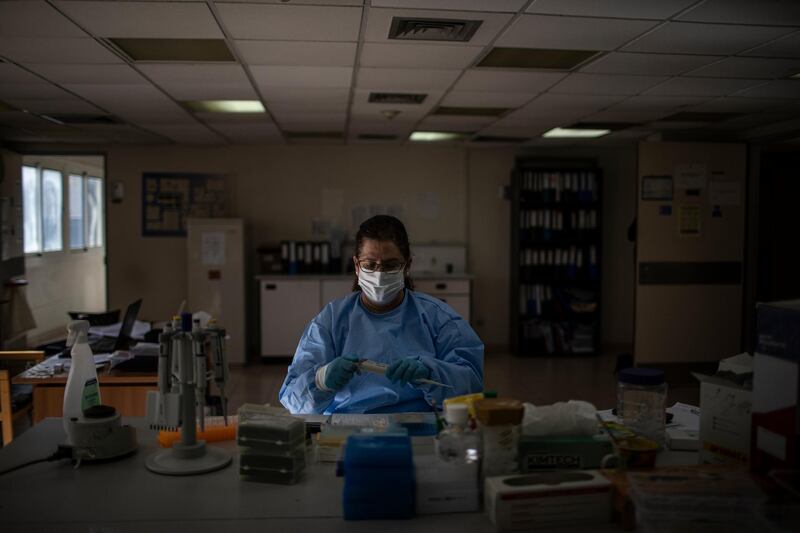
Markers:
(539, 380)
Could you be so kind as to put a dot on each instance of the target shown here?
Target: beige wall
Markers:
(278, 189)
(68, 280)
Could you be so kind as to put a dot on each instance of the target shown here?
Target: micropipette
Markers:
(380, 368)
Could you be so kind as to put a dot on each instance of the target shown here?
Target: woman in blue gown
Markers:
(386, 321)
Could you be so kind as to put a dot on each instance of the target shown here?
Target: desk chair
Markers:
(7, 412)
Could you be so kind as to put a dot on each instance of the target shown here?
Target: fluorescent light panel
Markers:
(435, 136)
(574, 133)
(174, 49)
(502, 57)
(225, 106)
(795, 76)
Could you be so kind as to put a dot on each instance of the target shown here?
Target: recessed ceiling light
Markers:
(576, 133)
(501, 57)
(795, 76)
(432, 136)
(471, 111)
(174, 49)
(225, 106)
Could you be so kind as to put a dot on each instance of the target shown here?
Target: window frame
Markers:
(82, 176)
(41, 209)
(100, 207)
(40, 244)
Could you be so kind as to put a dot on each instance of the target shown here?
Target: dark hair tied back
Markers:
(384, 228)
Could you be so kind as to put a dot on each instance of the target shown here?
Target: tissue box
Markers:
(549, 453)
(776, 388)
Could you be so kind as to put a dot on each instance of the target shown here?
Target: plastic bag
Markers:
(573, 418)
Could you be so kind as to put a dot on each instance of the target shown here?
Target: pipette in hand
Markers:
(380, 368)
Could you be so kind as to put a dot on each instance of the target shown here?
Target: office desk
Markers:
(125, 391)
(124, 496)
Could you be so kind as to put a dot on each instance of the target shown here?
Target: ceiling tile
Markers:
(313, 77)
(358, 126)
(647, 64)
(274, 93)
(210, 91)
(226, 118)
(701, 86)
(694, 38)
(566, 104)
(436, 123)
(611, 115)
(571, 33)
(132, 101)
(486, 99)
(774, 89)
(94, 74)
(144, 19)
(249, 133)
(777, 12)
(13, 74)
(507, 6)
(295, 2)
(605, 84)
(405, 79)
(316, 118)
(498, 80)
(55, 50)
(35, 19)
(291, 22)
(788, 46)
(186, 133)
(658, 103)
(750, 67)
(380, 20)
(33, 90)
(735, 104)
(417, 55)
(297, 53)
(194, 73)
(49, 105)
(635, 9)
(308, 106)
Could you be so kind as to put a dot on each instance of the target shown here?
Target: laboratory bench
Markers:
(287, 303)
(123, 496)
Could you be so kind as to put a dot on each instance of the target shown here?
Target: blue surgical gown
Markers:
(421, 326)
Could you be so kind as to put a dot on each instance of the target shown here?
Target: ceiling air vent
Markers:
(396, 98)
(415, 29)
(83, 119)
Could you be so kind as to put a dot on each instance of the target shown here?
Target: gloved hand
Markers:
(407, 370)
(340, 371)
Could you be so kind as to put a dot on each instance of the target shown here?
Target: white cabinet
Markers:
(335, 288)
(287, 306)
(454, 292)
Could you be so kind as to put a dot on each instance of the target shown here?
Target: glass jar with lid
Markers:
(641, 399)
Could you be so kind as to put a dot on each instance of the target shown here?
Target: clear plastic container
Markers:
(267, 426)
(268, 475)
(641, 398)
(500, 450)
(256, 458)
(457, 444)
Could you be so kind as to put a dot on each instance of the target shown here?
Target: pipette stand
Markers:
(189, 456)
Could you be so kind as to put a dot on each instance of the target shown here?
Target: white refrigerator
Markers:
(216, 277)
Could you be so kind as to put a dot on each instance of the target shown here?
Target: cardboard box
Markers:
(776, 388)
(545, 500)
(725, 414)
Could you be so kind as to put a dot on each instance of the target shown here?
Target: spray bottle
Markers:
(82, 389)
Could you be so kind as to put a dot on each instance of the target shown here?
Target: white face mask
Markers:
(381, 287)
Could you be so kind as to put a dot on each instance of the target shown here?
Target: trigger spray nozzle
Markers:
(77, 332)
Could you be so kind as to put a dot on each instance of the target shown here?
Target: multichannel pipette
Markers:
(380, 368)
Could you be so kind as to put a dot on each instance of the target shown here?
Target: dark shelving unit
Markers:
(556, 253)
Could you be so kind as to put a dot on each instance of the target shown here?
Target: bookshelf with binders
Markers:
(555, 257)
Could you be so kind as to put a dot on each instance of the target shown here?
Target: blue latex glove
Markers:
(407, 370)
(340, 371)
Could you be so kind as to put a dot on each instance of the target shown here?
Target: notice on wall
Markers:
(689, 220)
(212, 248)
(657, 188)
(727, 193)
(691, 176)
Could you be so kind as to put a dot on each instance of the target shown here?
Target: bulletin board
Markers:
(169, 199)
